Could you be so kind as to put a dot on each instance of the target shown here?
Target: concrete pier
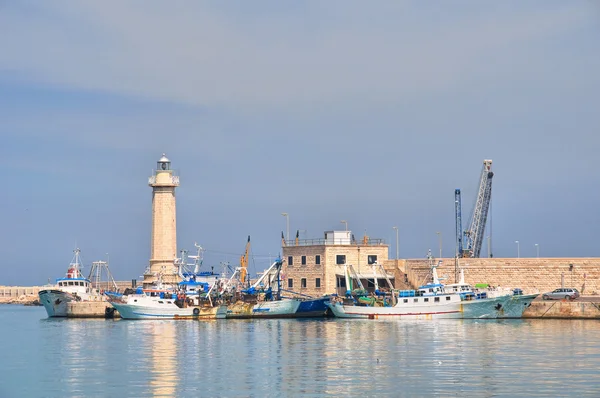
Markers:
(91, 309)
(550, 309)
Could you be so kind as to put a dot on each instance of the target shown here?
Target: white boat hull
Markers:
(492, 308)
(165, 311)
(55, 302)
(266, 309)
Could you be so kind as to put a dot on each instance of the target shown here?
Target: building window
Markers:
(303, 260)
(372, 259)
(290, 260)
(303, 282)
(340, 259)
(290, 282)
(341, 282)
(318, 259)
(318, 282)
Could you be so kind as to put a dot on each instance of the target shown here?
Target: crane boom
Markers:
(244, 262)
(473, 236)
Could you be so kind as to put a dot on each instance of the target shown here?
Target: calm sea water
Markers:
(43, 357)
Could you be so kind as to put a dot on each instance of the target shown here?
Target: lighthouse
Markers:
(163, 244)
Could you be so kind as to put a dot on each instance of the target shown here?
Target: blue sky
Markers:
(325, 110)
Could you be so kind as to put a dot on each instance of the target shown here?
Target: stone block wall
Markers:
(530, 274)
(309, 271)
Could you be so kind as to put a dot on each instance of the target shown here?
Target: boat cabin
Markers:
(74, 285)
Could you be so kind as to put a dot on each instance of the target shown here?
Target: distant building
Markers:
(316, 266)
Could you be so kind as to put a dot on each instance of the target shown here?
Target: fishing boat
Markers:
(435, 301)
(157, 303)
(73, 287)
(192, 298)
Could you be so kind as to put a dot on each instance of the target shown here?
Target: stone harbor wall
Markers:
(529, 274)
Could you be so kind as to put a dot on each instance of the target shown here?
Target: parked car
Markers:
(562, 293)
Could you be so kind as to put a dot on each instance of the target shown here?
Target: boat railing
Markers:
(409, 293)
(344, 241)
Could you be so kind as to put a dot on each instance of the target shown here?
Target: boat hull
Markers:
(492, 308)
(55, 302)
(517, 304)
(132, 311)
(443, 311)
(313, 307)
(285, 308)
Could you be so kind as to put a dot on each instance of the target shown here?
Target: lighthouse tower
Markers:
(163, 244)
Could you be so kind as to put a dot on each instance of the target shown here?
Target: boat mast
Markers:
(348, 280)
(374, 265)
(198, 258)
(76, 264)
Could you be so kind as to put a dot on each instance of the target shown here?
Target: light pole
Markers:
(439, 234)
(518, 249)
(396, 228)
(537, 249)
(287, 225)
(346, 223)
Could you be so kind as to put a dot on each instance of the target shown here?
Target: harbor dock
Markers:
(582, 308)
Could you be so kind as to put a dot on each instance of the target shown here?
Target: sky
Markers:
(371, 113)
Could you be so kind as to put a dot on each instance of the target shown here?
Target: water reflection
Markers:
(97, 358)
(163, 359)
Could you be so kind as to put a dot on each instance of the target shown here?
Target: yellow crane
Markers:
(244, 262)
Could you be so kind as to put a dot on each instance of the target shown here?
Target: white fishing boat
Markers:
(434, 301)
(191, 298)
(157, 304)
(73, 287)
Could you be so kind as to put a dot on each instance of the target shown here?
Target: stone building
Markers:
(316, 266)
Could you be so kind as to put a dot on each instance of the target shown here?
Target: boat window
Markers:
(135, 300)
(416, 300)
(426, 299)
(447, 298)
(160, 302)
(70, 283)
(406, 300)
(168, 302)
(60, 284)
(437, 299)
